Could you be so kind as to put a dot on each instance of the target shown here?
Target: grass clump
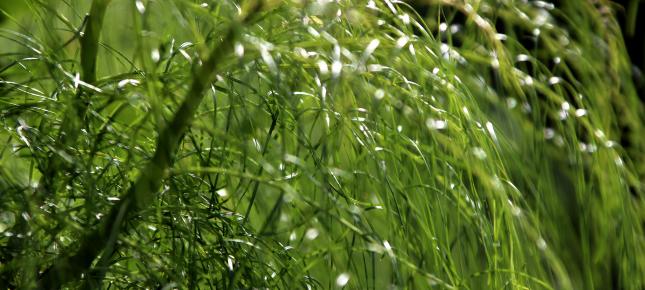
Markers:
(296, 144)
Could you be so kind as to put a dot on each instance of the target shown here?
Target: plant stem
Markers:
(90, 40)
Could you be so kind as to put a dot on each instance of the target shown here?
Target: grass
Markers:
(296, 144)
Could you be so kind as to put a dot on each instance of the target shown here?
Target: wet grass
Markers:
(319, 145)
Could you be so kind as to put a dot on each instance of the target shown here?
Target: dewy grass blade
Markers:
(466, 144)
(142, 193)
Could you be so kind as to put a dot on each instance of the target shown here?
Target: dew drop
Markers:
(405, 18)
(371, 47)
(140, 7)
(436, 124)
(554, 80)
(522, 57)
(511, 103)
(541, 244)
(311, 234)
(479, 153)
(239, 49)
(155, 55)
(443, 27)
(491, 131)
(402, 41)
(336, 68)
(581, 113)
(342, 279)
(322, 66)
(222, 192)
(379, 94)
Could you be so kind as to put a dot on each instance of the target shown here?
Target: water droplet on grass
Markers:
(311, 234)
(479, 153)
(342, 279)
(268, 58)
(239, 49)
(491, 131)
(444, 49)
(140, 7)
(402, 41)
(222, 192)
(516, 211)
(494, 63)
(336, 68)
(230, 262)
(256, 144)
(379, 94)
(522, 57)
(405, 18)
(619, 161)
(543, 4)
(125, 82)
(511, 103)
(466, 112)
(322, 66)
(562, 114)
(388, 248)
(554, 80)
(436, 124)
(155, 55)
(443, 27)
(541, 244)
(313, 31)
(375, 68)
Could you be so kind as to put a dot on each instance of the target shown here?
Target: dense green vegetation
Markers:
(319, 144)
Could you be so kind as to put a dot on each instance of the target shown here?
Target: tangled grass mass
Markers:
(442, 144)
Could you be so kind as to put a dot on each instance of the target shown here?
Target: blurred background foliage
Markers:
(333, 144)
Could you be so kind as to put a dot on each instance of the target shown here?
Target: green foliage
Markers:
(327, 144)
(9, 8)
